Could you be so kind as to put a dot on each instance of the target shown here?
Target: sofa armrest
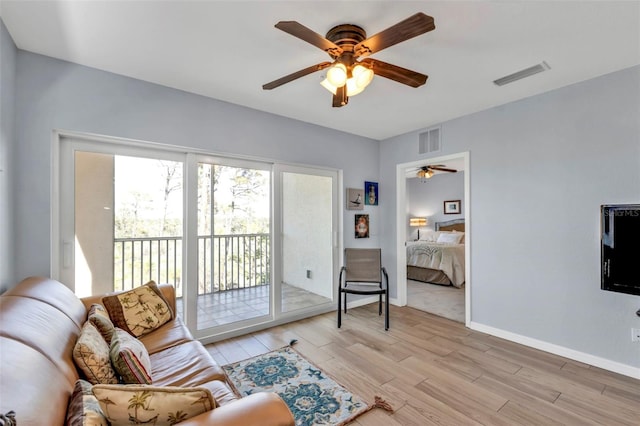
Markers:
(169, 293)
(258, 409)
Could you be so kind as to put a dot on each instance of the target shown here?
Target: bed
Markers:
(438, 262)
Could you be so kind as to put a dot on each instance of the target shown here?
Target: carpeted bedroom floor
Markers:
(444, 301)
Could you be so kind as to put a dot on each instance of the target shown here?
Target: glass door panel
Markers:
(234, 245)
(307, 241)
(127, 222)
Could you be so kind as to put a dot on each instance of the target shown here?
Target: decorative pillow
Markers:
(130, 358)
(451, 237)
(83, 409)
(140, 310)
(99, 317)
(139, 404)
(91, 355)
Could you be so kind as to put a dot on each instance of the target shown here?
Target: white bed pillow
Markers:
(429, 235)
(450, 237)
(461, 233)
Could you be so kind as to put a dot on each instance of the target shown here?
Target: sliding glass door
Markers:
(245, 243)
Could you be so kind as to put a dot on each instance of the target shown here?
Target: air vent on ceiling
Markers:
(527, 72)
(429, 141)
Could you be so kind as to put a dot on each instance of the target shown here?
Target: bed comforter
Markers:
(449, 258)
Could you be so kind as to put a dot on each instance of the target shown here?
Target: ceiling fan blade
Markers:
(404, 30)
(442, 169)
(295, 75)
(298, 30)
(396, 73)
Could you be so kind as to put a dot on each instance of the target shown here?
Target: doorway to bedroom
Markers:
(433, 227)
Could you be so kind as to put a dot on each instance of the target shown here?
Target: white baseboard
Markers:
(606, 364)
(586, 358)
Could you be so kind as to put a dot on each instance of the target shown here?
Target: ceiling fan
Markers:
(426, 172)
(345, 44)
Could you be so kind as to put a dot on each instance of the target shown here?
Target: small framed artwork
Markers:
(362, 226)
(355, 199)
(452, 207)
(371, 193)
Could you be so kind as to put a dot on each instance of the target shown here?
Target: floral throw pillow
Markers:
(130, 358)
(158, 405)
(83, 409)
(91, 355)
(139, 310)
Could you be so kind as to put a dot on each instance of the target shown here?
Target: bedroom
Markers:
(436, 262)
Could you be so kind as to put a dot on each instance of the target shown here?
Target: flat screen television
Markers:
(620, 248)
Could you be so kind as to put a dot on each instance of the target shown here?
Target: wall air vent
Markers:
(527, 72)
(429, 141)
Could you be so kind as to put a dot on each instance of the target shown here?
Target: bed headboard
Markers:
(451, 225)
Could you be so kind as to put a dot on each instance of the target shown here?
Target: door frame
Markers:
(401, 226)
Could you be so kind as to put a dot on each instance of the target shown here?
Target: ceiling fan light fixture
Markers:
(353, 88)
(362, 75)
(360, 78)
(337, 75)
(330, 87)
(425, 173)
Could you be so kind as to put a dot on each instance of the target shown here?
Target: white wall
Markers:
(539, 170)
(425, 198)
(53, 94)
(8, 54)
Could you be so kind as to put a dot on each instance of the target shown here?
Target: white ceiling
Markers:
(227, 49)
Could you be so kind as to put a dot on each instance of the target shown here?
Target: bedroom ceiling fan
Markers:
(346, 75)
(425, 172)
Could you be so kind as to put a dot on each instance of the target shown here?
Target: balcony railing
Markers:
(225, 262)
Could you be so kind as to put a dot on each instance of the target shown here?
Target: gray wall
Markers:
(426, 199)
(53, 94)
(8, 54)
(539, 170)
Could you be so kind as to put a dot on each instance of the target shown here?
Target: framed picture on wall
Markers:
(355, 199)
(371, 193)
(452, 207)
(362, 226)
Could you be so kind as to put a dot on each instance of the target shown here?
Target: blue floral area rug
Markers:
(312, 397)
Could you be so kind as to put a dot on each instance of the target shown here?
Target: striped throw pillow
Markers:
(130, 358)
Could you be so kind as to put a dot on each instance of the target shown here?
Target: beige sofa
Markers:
(40, 321)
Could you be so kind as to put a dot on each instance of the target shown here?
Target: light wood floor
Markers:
(436, 371)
